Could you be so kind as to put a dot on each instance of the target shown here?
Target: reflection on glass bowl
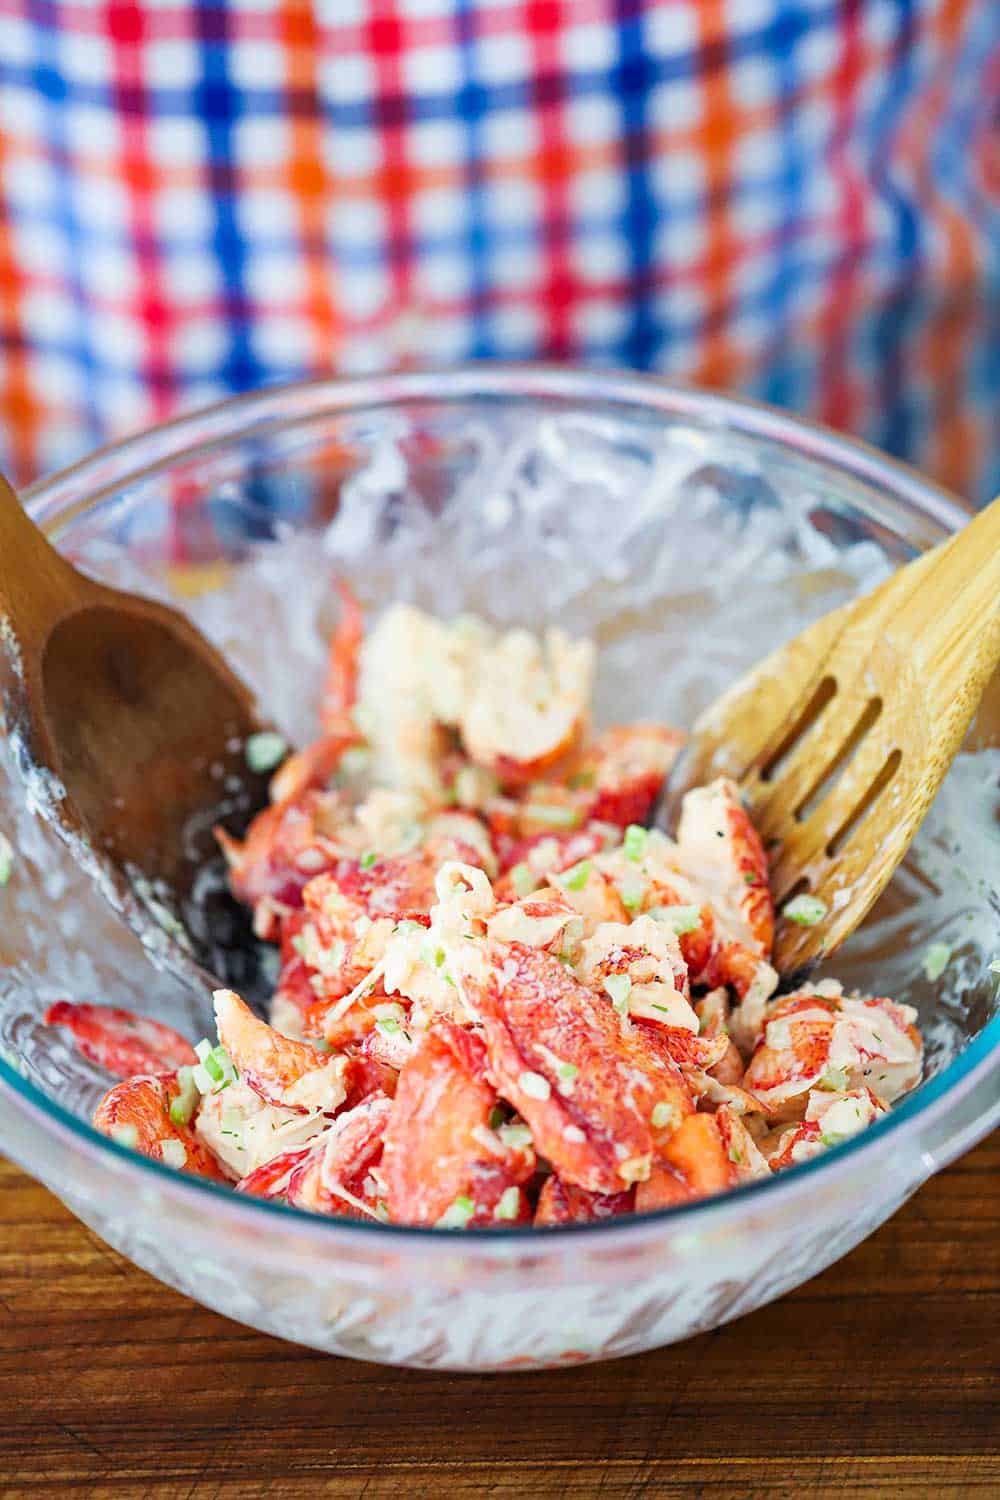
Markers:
(689, 534)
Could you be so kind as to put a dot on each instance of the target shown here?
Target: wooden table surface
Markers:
(881, 1377)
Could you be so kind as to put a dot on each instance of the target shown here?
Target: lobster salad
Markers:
(501, 998)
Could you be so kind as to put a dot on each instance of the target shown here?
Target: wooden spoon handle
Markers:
(37, 586)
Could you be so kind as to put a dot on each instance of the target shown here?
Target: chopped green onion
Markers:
(263, 751)
(523, 880)
(389, 1008)
(619, 987)
(834, 1080)
(474, 786)
(183, 1105)
(6, 858)
(173, 1153)
(662, 1114)
(565, 1072)
(125, 1135)
(832, 1138)
(751, 877)
(634, 843)
(735, 1154)
(553, 816)
(632, 889)
(535, 1085)
(458, 1214)
(936, 960)
(496, 1117)
(368, 859)
(804, 910)
(680, 919)
(509, 1204)
(353, 762)
(576, 878)
(433, 955)
(213, 1068)
(516, 1136)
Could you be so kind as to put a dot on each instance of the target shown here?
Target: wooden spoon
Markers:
(840, 739)
(129, 730)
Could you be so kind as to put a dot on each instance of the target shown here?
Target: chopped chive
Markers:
(634, 843)
(832, 1138)
(804, 910)
(368, 859)
(263, 751)
(735, 1155)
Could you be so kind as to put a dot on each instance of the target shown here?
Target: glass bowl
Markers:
(688, 532)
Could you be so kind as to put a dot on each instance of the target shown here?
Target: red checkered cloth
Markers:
(800, 201)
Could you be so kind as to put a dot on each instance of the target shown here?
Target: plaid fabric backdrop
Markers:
(796, 200)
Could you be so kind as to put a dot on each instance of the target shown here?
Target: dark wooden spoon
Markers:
(129, 730)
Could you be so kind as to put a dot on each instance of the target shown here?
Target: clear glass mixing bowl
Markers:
(688, 532)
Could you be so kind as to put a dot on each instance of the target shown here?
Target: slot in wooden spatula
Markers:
(840, 739)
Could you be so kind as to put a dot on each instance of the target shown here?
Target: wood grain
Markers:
(878, 1378)
(123, 702)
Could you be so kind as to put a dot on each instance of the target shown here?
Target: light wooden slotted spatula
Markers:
(840, 739)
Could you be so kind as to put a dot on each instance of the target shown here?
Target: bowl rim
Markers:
(220, 422)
